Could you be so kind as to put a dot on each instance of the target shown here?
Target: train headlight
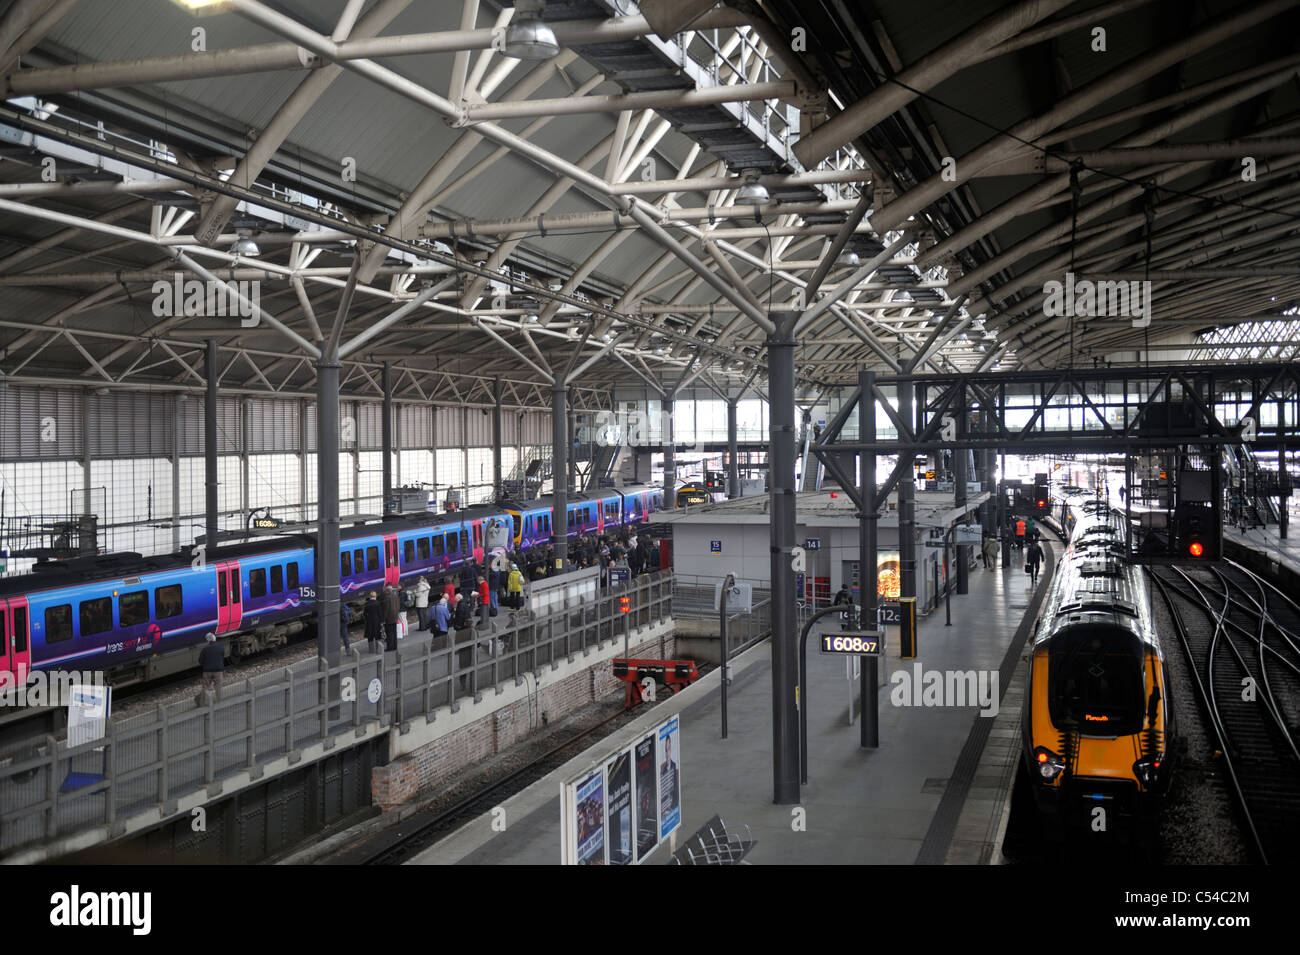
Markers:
(1049, 764)
(1147, 770)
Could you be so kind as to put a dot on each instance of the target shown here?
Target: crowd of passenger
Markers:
(475, 593)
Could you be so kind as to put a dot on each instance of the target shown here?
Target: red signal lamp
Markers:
(1042, 503)
(1196, 548)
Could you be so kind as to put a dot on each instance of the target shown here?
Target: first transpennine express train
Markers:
(1098, 721)
(137, 618)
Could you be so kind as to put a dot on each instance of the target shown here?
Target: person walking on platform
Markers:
(1020, 534)
(990, 552)
(391, 607)
(1031, 530)
(213, 660)
(345, 621)
(842, 596)
(374, 618)
(1033, 559)
(422, 591)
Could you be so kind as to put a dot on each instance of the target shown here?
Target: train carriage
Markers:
(1098, 724)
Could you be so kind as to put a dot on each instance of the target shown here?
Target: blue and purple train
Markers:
(138, 618)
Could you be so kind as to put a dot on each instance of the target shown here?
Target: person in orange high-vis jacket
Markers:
(1020, 534)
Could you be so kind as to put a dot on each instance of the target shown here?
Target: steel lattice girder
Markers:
(1129, 393)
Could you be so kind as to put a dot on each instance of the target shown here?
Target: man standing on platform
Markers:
(391, 607)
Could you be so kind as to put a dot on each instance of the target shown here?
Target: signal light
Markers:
(624, 604)
(1042, 503)
(1196, 548)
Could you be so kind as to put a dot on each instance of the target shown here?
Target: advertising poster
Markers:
(618, 830)
(670, 777)
(589, 819)
(647, 798)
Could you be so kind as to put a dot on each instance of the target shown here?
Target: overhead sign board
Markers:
(968, 534)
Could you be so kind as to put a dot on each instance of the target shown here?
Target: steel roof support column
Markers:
(496, 439)
(176, 472)
(570, 452)
(733, 463)
(327, 503)
(960, 475)
(868, 559)
(559, 471)
(386, 424)
(907, 501)
(1282, 478)
(668, 438)
(209, 444)
(785, 648)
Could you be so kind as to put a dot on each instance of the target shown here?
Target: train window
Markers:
(20, 629)
(58, 623)
(464, 541)
(451, 543)
(222, 590)
(422, 545)
(96, 616)
(132, 608)
(372, 558)
(167, 600)
(439, 548)
(345, 564)
(257, 582)
(291, 574)
(408, 551)
(277, 579)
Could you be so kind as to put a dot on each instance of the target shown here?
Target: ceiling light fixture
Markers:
(752, 190)
(528, 37)
(245, 246)
(848, 259)
(532, 318)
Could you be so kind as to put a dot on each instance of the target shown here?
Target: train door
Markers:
(600, 516)
(16, 656)
(392, 573)
(477, 534)
(230, 596)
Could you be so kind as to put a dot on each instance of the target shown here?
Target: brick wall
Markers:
(438, 763)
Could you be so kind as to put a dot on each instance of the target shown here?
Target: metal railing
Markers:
(49, 790)
(693, 598)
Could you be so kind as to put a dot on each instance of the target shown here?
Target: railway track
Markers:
(425, 828)
(1240, 636)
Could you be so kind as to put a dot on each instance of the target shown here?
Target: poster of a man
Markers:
(670, 808)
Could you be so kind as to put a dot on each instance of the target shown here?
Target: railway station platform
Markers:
(935, 791)
(1265, 542)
